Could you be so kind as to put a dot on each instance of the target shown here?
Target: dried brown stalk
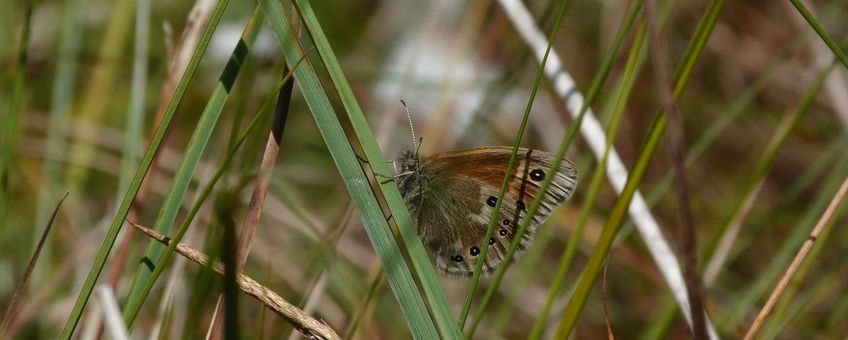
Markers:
(799, 257)
(309, 326)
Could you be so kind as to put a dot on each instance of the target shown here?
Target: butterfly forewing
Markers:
(452, 196)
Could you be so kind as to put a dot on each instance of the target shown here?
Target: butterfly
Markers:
(451, 197)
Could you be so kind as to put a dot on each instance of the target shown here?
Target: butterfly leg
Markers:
(391, 178)
(363, 160)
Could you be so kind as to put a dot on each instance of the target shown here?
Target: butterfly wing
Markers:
(457, 193)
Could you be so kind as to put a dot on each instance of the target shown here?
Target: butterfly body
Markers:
(452, 196)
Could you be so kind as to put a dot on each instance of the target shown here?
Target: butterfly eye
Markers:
(520, 205)
(492, 201)
(502, 232)
(474, 251)
(456, 258)
(537, 175)
(506, 222)
(491, 240)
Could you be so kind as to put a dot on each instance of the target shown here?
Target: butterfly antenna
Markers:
(411, 128)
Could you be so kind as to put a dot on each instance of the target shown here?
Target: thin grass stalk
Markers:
(815, 171)
(328, 244)
(617, 173)
(783, 311)
(135, 111)
(802, 308)
(13, 114)
(134, 124)
(686, 230)
(144, 166)
(376, 284)
(706, 139)
(611, 228)
(799, 258)
(133, 307)
(177, 62)
(400, 277)
(597, 177)
(736, 313)
(260, 188)
(617, 215)
(484, 244)
(191, 158)
(225, 207)
(133, 127)
(837, 50)
(532, 260)
(718, 249)
(306, 324)
(20, 291)
(733, 112)
(594, 89)
(421, 267)
(257, 197)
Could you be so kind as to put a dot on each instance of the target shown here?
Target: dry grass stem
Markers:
(796, 262)
(309, 326)
(11, 311)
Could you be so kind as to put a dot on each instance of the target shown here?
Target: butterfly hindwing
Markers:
(453, 194)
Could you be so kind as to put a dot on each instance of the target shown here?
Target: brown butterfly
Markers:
(452, 195)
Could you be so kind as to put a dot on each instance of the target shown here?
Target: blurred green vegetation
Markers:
(466, 75)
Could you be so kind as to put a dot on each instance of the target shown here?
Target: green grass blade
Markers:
(418, 257)
(599, 173)
(144, 280)
(782, 312)
(726, 235)
(484, 244)
(20, 290)
(741, 105)
(133, 309)
(837, 50)
(619, 211)
(144, 166)
(10, 119)
(398, 273)
(735, 314)
(592, 94)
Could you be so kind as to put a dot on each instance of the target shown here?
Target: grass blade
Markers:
(302, 321)
(597, 176)
(616, 217)
(10, 131)
(802, 254)
(837, 51)
(421, 267)
(398, 273)
(23, 283)
(145, 280)
(144, 166)
(484, 245)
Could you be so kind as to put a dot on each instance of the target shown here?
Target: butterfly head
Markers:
(409, 176)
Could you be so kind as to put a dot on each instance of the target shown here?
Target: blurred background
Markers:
(84, 120)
